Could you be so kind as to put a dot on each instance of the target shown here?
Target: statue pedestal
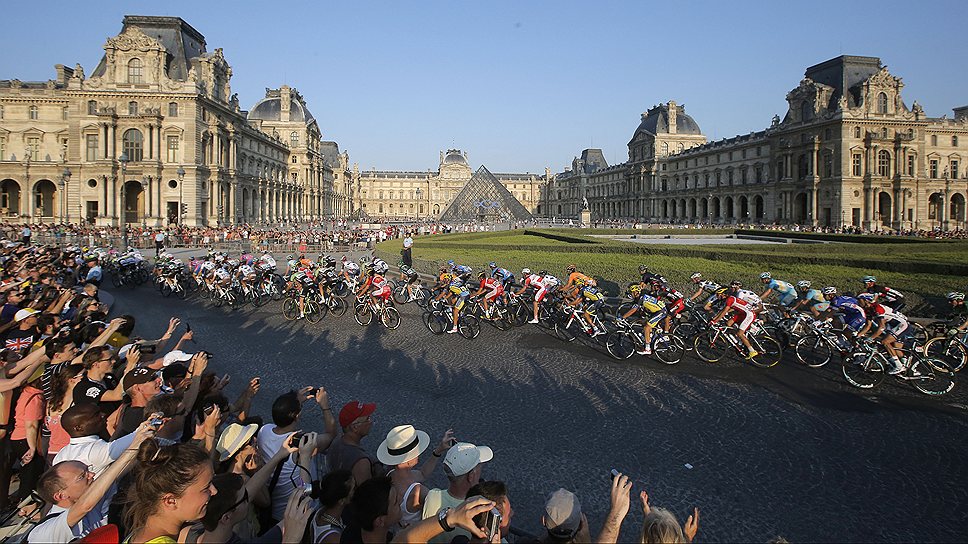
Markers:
(585, 217)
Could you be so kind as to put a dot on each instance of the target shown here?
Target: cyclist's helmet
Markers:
(696, 276)
(735, 283)
(643, 269)
(803, 284)
(451, 263)
(868, 297)
(868, 279)
(492, 265)
(525, 271)
(634, 291)
(829, 290)
(364, 260)
(330, 260)
(722, 291)
(481, 275)
(955, 296)
(579, 282)
(766, 276)
(571, 268)
(543, 273)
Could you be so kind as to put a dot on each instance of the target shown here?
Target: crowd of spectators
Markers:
(110, 436)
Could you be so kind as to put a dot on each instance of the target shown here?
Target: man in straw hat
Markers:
(401, 450)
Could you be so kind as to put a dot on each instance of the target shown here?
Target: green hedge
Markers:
(829, 237)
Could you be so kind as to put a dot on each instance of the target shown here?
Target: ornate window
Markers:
(135, 71)
(34, 113)
(173, 109)
(665, 148)
(933, 169)
(33, 148)
(882, 103)
(3, 147)
(64, 113)
(1, 113)
(954, 169)
(884, 163)
(857, 165)
(294, 139)
(910, 165)
(92, 107)
(91, 147)
(131, 144)
(132, 108)
(172, 147)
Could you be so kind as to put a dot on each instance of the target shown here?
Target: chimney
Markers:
(672, 116)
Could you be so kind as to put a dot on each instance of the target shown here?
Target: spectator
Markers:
(61, 398)
(25, 332)
(85, 423)
(159, 243)
(496, 492)
(25, 438)
(12, 301)
(172, 487)
(346, 452)
(401, 450)
(99, 384)
(25, 233)
(335, 490)
(80, 501)
(563, 519)
(286, 411)
(462, 465)
(659, 526)
(94, 272)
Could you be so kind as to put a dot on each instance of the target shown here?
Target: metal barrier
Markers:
(146, 244)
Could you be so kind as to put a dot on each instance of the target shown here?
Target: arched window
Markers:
(132, 108)
(294, 139)
(665, 148)
(134, 71)
(34, 113)
(131, 144)
(882, 103)
(806, 111)
(884, 163)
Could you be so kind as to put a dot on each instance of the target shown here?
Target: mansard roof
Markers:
(180, 40)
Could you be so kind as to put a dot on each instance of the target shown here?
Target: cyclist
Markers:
(653, 312)
(675, 304)
(410, 278)
(785, 291)
(648, 277)
(883, 295)
(743, 315)
(246, 276)
(570, 287)
(491, 288)
(501, 274)
(591, 300)
(351, 272)
(302, 281)
(376, 279)
(892, 324)
(542, 282)
(959, 313)
(704, 286)
(736, 288)
(267, 260)
(811, 299)
(458, 288)
(850, 311)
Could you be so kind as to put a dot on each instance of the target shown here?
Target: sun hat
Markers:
(402, 444)
(176, 356)
(233, 438)
(462, 457)
(562, 516)
(23, 314)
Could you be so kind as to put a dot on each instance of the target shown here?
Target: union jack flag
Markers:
(18, 344)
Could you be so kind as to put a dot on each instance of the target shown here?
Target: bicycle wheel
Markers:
(314, 311)
(769, 350)
(258, 298)
(469, 326)
(863, 371)
(952, 352)
(711, 347)
(687, 332)
(567, 329)
(668, 348)
(423, 296)
(290, 309)
(435, 322)
(166, 290)
(813, 351)
(401, 295)
(390, 318)
(218, 299)
(502, 322)
(935, 379)
(362, 314)
(520, 314)
(920, 334)
(620, 344)
(337, 306)
(117, 280)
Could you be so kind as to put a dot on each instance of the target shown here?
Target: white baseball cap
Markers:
(462, 457)
(177, 356)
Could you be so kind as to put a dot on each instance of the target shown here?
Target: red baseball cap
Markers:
(353, 410)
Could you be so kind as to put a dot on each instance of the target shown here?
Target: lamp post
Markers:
(123, 160)
(65, 178)
(945, 212)
(418, 192)
(145, 184)
(181, 180)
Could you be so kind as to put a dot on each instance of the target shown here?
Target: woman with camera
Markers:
(401, 450)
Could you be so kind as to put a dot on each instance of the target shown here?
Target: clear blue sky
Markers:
(520, 85)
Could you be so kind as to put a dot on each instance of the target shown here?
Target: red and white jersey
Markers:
(533, 280)
(490, 283)
(737, 303)
(749, 297)
(879, 310)
(378, 282)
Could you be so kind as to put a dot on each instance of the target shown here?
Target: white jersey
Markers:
(221, 274)
(246, 270)
(267, 259)
(749, 297)
(207, 266)
(549, 281)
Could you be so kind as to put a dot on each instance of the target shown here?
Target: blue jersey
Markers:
(781, 287)
(849, 307)
(502, 273)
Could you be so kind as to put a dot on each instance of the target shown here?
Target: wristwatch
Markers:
(442, 519)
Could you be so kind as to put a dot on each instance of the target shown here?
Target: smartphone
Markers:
(612, 474)
(188, 327)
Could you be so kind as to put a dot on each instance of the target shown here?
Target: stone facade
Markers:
(163, 102)
(399, 195)
(849, 151)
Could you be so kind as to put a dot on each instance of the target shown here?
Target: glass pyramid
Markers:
(483, 198)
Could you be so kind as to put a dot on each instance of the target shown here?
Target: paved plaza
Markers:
(788, 451)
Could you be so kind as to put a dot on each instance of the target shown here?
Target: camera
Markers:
(312, 391)
(148, 348)
(298, 436)
(612, 474)
(156, 423)
(490, 521)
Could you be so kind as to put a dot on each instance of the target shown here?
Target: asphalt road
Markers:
(788, 451)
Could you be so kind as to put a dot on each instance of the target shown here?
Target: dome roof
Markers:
(656, 121)
(270, 109)
(454, 156)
